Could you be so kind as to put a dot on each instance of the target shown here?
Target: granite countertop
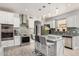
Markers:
(52, 37)
(65, 34)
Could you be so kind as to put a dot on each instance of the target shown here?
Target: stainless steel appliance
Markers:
(25, 39)
(7, 32)
(37, 32)
(68, 41)
(37, 28)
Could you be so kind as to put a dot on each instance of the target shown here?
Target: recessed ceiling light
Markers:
(39, 9)
(30, 17)
(56, 8)
(49, 3)
(43, 6)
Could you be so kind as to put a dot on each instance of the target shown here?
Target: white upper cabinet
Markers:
(9, 18)
(3, 17)
(52, 24)
(16, 20)
(77, 20)
(71, 21)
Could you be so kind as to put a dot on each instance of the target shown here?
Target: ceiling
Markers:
(39, 9)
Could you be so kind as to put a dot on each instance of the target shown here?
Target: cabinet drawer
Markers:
(17, 40)
(7, 43)
(51, 51)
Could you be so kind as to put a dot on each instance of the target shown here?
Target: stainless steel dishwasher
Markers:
(68, 41)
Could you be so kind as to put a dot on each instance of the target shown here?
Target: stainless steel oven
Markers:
(7, 32)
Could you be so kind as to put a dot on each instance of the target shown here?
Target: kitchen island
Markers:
(50, 45)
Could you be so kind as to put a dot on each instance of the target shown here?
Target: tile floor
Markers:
(69, 52)
(26, 50)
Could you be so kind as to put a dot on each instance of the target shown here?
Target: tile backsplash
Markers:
(70, 31)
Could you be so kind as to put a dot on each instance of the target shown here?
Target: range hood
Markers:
(24, 20)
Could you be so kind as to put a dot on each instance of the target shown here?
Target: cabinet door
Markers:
(17, 40)
(52, 24)
(6, 17)
(11, 43)
(68, 42)
(71, 21)
(16, 20)
(3, 17)
(77, 20)
(10, 19)
(4, 43)
(1, 51)
(51, 50)
(7, 43)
